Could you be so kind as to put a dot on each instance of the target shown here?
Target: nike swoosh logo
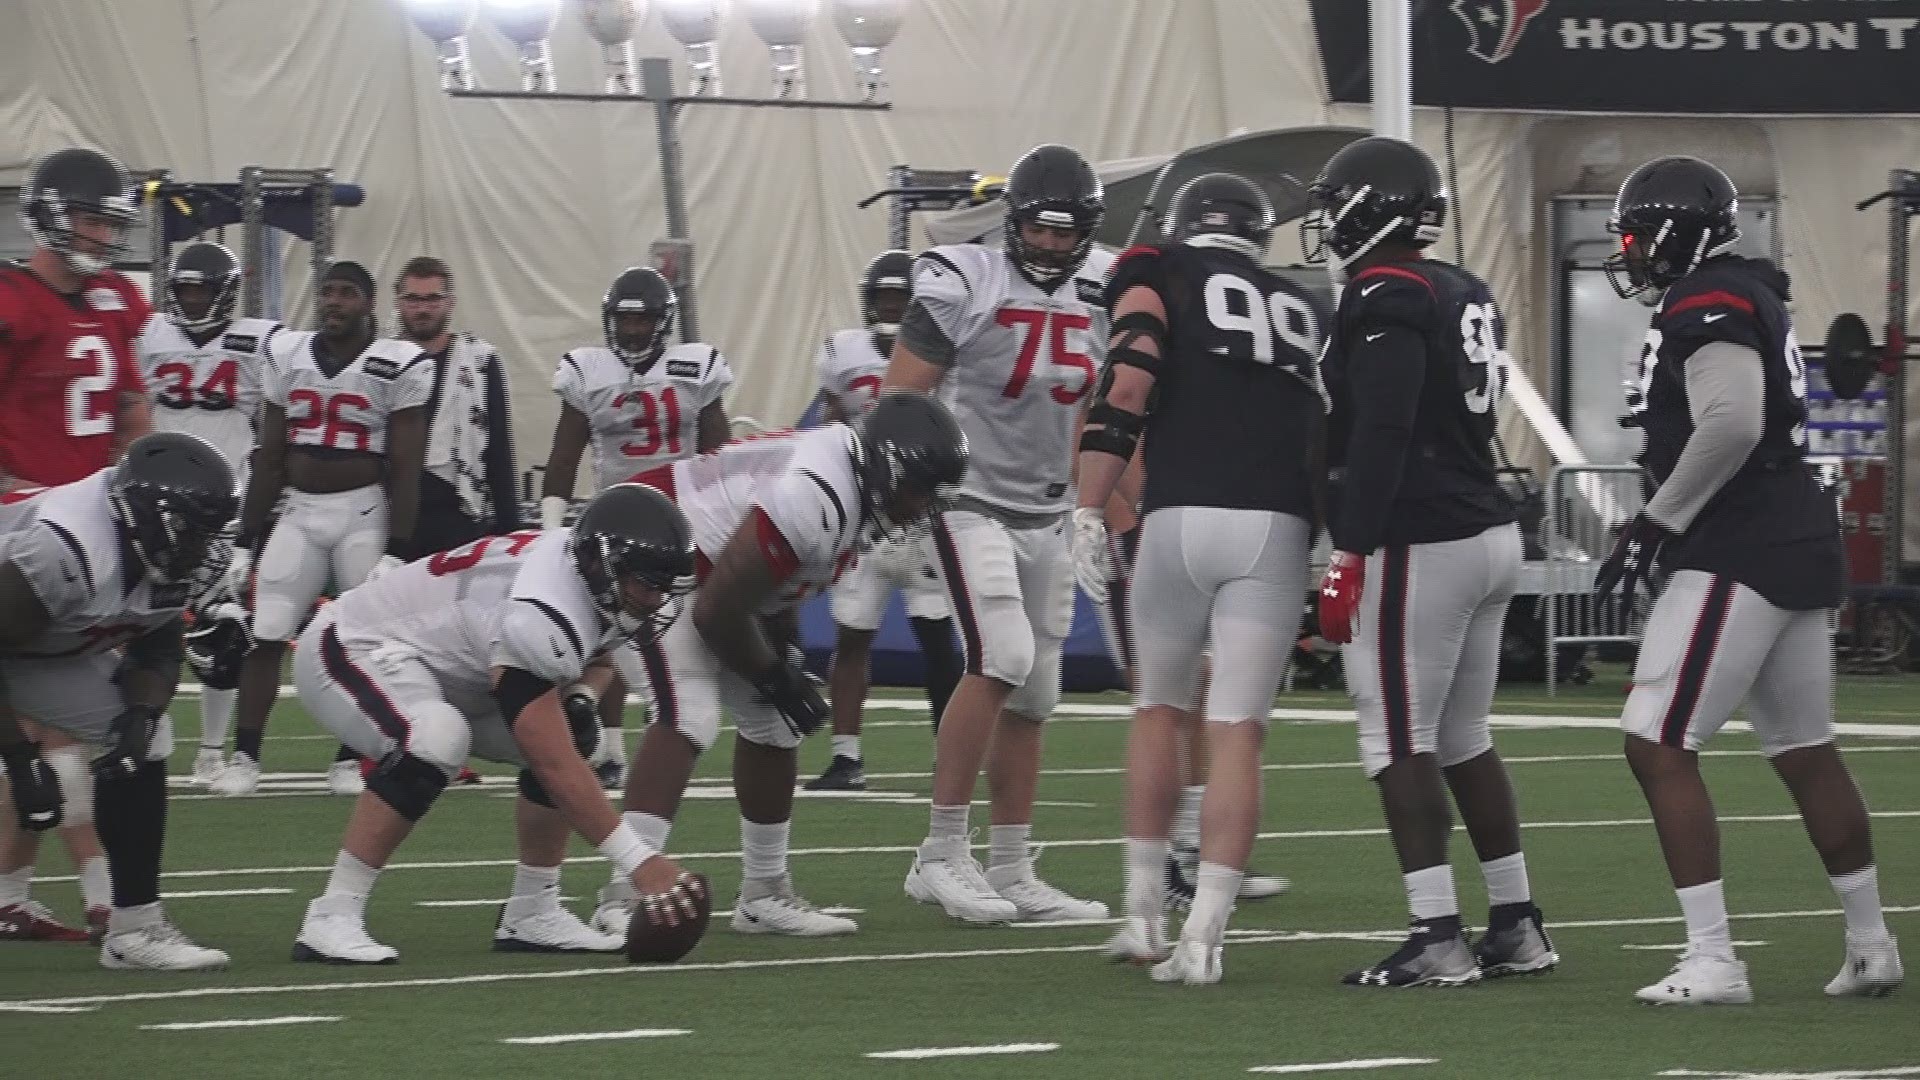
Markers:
(1368, 291)
(1376, 337)
(1715, 317)
(558, 655)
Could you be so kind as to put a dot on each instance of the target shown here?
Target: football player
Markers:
(851, 365)
(203, 366)
(1010, 339)
(343, 435)
(95, 576)
(1426, 553)
(468, 653)
(1212, 361)
(1753, 546)
(642, 404)
(73, 397)
(775, 519)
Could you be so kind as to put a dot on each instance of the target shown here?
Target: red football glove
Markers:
(1340, 595)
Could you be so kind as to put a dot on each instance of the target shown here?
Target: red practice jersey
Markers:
(64, 362)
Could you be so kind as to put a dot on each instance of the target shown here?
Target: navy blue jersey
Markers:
(1414, 370)
(1771, 527)
(1237, 404)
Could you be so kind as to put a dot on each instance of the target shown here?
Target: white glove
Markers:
(386, 565)
(239, 572)
(1092, 562)
(553, 512)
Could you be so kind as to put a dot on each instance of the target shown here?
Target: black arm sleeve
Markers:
(516, 689)
(501, 488)
(1389, 366)
(923, 335)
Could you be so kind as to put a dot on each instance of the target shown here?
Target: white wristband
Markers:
(553, 512)
(624, 848)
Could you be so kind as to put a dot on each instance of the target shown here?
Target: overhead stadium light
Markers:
(695, 24)
(528, 24)
(868, 26)
(446, 23)
(782, 24)
(612, 23)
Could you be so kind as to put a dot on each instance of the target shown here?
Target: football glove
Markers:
(789, 691)
(132, 739)
(1092, 559)
(1631, 561)
(36, 790)
(240, 572)
(1340, 591)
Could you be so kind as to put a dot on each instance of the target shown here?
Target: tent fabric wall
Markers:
(538, 204)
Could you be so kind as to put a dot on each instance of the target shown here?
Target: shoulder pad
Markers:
(1390, 294)
(1712, 307)
(390, 360)
(248, 335)
(1143, 264)
(948, 261)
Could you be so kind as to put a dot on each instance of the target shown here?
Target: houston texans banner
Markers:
(1755, 57)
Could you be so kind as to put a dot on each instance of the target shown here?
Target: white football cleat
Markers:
(343, 778)
(540, 924)
(1262, 886)
(1699, 979)
(1139, 940)
(240, 777)
(615, 909)
(335, 932)
(774, 908)
(208, 763)
(945, 872)
(1037, 901)
(1872, 968)
(159, 947)
(1195, 963)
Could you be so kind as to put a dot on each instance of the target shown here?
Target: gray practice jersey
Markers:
(65, 543)
(851, 370)
(1025, 362)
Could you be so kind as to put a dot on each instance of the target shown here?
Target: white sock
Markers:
(651, 827)
(1147, 877)
(351, 877)
(14, 886)
(216, 717)
(613, 744)
(1008, 845)
(127, 920)
(96, 885)
(1212, 902)
(846, 746)
(763, 849)
(1430, 892)
(949, 822)
(1186, 819)
(1705, 908)
(1507, 880)
(1859, 894)
(530, 882)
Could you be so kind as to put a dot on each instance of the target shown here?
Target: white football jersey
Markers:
(803, 480)
(1025, 362)
(212, 390)
(348, 410)
(65, 543)
(851, 369)
(507, 601)
(641, 422)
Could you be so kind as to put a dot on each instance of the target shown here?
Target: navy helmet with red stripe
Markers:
(1052, 185)
(1374, 191)
(632, 534)
(1672, 214)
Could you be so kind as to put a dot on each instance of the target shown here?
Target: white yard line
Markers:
(922, 1053)
(209, 894)
(1355, 1065)
(263, 1021)
(1271, 937)
(596, 1036)
(903, 849)
(1682, 946)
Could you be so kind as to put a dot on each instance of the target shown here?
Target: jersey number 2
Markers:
(1053, 326)
(83, 416)
(649, 421)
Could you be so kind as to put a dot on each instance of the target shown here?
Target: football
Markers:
(649, 942)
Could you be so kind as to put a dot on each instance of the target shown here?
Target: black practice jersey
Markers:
(1415, 368)
(1237, 400)
(1771, 527)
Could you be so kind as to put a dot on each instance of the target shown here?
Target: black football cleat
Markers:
(1182, 865)
(1434, 954)
(1516, 943)
(843, 774)
(612, 774)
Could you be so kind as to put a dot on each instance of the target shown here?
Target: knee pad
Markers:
(408, 784)
(532, 790)
(75, 772)
(1036, 698)
(440, 735)
(1007, 644)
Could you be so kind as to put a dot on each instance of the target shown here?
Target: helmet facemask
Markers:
(50, 221)
(175, 534)
(607, 562)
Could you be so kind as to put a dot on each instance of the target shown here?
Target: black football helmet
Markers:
(889, 271)
(1373, 191)
(217, 643)
(642, 289)
(1672, 214)
(1052, 185)
(907, 444)
(172, 496)
(213, 266)
(1222, 210)
(633, 531)
(69, 182)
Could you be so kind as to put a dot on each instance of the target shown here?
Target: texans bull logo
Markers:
(1494, 27)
